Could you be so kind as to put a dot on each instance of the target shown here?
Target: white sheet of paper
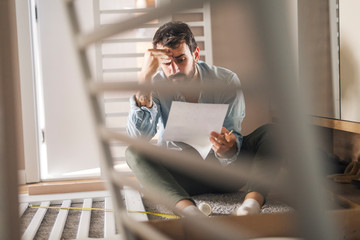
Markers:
(192, 123)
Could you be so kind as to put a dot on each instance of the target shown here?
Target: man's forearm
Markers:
(144, 99)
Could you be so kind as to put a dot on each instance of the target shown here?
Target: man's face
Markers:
(181, 67)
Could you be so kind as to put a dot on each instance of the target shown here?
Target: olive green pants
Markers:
(256, 156)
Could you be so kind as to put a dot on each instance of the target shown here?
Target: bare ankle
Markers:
(257, 196)
(183, 204)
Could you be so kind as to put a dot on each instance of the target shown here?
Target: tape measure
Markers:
(166, 215)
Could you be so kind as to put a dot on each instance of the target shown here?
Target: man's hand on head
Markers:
(152, 60)
(224, 143)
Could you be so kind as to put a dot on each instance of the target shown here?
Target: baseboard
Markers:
(67, 187)
(22, 177)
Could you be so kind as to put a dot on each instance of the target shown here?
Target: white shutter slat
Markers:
(58, 228)
(34, 225)
(109, 219)
(84, 224)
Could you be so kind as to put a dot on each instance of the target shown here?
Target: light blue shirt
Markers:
(146, 122)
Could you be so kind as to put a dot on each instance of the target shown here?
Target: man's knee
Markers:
(133, 157)
(267, 129)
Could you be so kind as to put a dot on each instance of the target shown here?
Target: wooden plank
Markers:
(126, 11)
(341, 125)
(142, 10)
(67, 187)
(134, 203)
(57, 230)
(34, 225)
(125, 25)
(22, 208)
(109, 219)
(135, 55)
(117, 114)
(126, 40)
(117, 70)
(137, 40)
(262, 225)
(84, 224)
(11, 139)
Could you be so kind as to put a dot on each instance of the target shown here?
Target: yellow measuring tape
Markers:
(109, 210)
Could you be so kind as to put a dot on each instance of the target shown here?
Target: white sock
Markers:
(248, 207)
(192, 210)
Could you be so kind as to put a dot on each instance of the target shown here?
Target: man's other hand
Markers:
(224, 143)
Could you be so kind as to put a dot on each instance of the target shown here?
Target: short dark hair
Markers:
(172, 34)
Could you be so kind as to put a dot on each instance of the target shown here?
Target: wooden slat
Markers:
(119, 129)
(125, 40)
(84, 224)
(117, 144)
(57, 230)
(123, 55)
(134, 55)
(136, 40)
(119, 99)
(122, 11)
(146, 25)
(119, 159)
(117, 114)
(166, 88)
(11, 132)
(134, 203)
(22, 208)
(282, 225)
(141, 10)
(131, 23)
(109, 219)
(341, 125)
(34, 225)
(115, 70)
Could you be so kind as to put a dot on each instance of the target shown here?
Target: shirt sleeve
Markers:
(142, 121)
(234, 117)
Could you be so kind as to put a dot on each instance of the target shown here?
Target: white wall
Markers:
(350, 59)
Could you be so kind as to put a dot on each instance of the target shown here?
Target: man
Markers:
(176, 53)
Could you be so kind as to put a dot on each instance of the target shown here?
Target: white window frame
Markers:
(31, 173)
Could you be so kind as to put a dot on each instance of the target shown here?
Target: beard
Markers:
(181, 77)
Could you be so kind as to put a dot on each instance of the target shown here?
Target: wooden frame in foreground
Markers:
(262, 225)
(9, 138)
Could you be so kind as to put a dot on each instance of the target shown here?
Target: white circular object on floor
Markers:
(205, 208)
